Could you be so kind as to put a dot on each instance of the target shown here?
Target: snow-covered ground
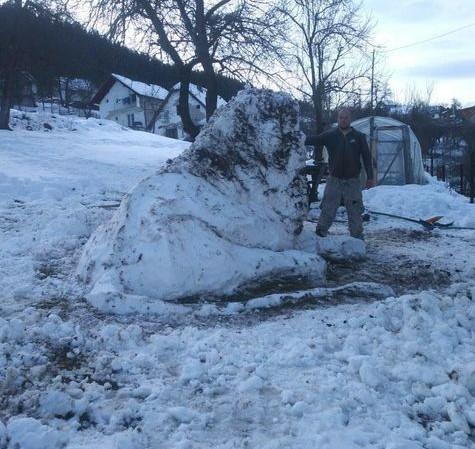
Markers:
(388, 365)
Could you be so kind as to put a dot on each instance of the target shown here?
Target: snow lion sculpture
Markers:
(218, 220)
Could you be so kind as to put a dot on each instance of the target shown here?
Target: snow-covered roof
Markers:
(199, 93)
(146, 90)
(75, 83)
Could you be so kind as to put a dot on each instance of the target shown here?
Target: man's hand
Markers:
(369, 183)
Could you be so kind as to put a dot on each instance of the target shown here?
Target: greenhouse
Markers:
(395, 149)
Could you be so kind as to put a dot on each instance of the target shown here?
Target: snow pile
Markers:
(420, 201)
(43, 120)
(339, 247)
(218, 219)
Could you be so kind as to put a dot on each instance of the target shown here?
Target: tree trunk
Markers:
(318, 107)
(60, 92)
(7, 97)
(183, 104)
(11, 71)
(211, 90)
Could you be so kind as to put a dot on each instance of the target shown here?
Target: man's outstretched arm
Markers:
(315, 140)
(318, 141)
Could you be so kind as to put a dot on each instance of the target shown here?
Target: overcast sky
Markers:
(448, 62)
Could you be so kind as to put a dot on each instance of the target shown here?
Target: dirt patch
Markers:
(387, 263)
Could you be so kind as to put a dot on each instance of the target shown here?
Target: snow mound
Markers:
(219, 219)
(419, 201)
(340, 248)
(51, 122)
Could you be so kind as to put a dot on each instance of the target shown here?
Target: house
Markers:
(167, 121)
(468, 114)
(130, 103)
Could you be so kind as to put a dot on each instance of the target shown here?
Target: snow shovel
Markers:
(429, 223)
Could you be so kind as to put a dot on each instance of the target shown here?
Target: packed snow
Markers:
(223, 216)
(381, 356)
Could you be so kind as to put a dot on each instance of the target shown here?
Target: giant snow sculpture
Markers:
(219, 219)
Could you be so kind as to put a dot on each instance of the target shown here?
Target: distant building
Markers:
(167, 121)
(130, 103)
(468, 114)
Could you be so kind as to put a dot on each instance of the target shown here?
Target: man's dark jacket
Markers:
(345, 152)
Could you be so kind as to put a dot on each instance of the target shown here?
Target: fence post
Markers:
(462, 187)
(432, 161)
(443, 172)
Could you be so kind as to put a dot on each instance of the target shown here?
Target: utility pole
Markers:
(372, 84)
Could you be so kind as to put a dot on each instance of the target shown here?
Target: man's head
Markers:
(344, 118)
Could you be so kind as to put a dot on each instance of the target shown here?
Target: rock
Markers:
(222, 217)
(340, 248)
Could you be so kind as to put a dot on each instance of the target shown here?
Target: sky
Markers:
(446, 63)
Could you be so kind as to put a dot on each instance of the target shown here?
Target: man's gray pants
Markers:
(336, 191)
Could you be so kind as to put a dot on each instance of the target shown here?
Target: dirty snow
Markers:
(384, 362)
(220, 218)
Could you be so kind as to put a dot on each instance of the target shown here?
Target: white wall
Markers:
(169, 118)
(112, 108)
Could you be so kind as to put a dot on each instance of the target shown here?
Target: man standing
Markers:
(346, 147)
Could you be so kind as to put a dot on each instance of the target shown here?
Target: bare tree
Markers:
(219, 36)
(326, 51)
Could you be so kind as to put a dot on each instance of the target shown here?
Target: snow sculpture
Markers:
(219, 219)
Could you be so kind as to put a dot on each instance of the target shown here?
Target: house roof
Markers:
(199, 93)
(143, 89)
(146, 90)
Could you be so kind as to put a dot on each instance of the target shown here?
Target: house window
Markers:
(165, 115)
(198, 106)
(171, 132)
(130, 120)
